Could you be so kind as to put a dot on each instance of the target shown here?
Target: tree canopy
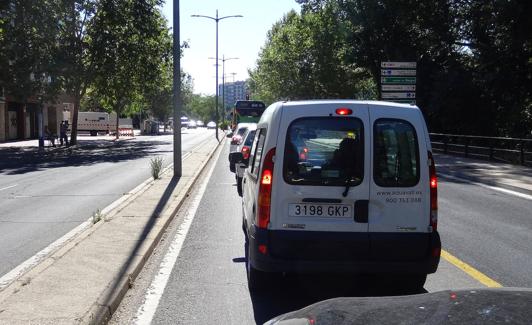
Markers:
(474, 66)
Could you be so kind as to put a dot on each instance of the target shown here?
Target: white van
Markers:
(341, 186)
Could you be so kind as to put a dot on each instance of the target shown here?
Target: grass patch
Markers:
(156, 165)
(97, 216)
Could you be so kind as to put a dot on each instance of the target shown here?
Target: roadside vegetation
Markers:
(156, 166)
(474, 66)
(105, 54)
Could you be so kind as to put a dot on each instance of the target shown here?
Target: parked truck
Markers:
(100, 122)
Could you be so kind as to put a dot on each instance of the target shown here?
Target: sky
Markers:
(237, 37)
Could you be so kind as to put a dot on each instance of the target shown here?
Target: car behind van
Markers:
(236, 140)
(341, 186)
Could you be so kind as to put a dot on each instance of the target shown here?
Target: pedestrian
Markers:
(50, 136)
(63, 133)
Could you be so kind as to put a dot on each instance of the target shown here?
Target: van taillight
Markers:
(433, 193)
(265, 190)
(245, 152)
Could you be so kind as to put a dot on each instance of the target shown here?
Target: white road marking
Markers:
(491, 187)
(5, 188)
(154, 293)
(31, 262)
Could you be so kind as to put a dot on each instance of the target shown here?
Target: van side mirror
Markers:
(236, 157)
(229, 134)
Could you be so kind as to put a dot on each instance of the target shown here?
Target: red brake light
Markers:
(265, 190)
(303, 154)
(433, 193)
(344, 111)
(245, 152)
(263, 249)
(266, 177)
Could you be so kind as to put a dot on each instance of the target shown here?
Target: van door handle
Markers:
(361, 211)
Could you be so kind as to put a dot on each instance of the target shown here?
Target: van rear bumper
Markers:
(280, 257)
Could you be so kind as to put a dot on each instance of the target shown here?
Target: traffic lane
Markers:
(48, 203)
(208, 283)
(513, 177)
(487, 229)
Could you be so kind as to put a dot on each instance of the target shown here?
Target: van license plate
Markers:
(320, 210)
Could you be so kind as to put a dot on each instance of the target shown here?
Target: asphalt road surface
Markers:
(488, 230)
(44, 197)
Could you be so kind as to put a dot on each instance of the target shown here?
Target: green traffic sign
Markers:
(398, 80)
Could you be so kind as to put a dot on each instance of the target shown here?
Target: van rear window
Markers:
(325, 151)
(395, 154)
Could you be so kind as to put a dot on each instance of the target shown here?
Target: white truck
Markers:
(101, 122)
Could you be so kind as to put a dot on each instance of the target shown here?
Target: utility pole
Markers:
(217, 19)
(177, 92)
(223, 81)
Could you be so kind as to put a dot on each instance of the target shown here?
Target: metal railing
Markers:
(509, 150)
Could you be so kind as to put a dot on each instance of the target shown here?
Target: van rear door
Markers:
(321, 184)
(399, 192)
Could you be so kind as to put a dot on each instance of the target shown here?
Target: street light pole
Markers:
(217, 117)
(177, 92)
(217, 19)
(223, 81)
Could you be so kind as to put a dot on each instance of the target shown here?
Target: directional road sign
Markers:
(398, 87)
(402, 101)
(399, 80)
(394, 72)
(404, 65)
(398, 95)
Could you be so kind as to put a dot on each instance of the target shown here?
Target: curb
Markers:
(102, 313)
(107, 211)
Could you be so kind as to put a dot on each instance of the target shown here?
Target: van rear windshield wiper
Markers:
(348, 184)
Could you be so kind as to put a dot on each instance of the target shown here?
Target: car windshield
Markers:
(324, 151)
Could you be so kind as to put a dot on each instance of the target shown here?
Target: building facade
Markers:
(20, 121)
(234, 91)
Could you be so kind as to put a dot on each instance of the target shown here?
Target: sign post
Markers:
(398, 82)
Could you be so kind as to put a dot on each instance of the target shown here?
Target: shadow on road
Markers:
(293, 292)
(165, 198)
(24, 160)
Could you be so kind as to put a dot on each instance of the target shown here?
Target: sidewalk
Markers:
(84, 281)
(34, 143)
(513, 177)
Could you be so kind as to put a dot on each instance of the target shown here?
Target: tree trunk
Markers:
(117, 123)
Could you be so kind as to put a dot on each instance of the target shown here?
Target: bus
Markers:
(247, 111)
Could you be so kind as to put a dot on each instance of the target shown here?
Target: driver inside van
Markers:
(347, 158)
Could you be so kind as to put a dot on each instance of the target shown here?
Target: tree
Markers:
(28, 39)
(75, 18)
(305, 56)
(473, 57)
(200, 107)
(129, 39)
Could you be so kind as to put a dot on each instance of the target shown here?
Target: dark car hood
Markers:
(479, 306)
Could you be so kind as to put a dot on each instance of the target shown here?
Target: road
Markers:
(43, 198)
(489, 230)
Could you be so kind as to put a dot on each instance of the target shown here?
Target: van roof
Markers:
(349, 101)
